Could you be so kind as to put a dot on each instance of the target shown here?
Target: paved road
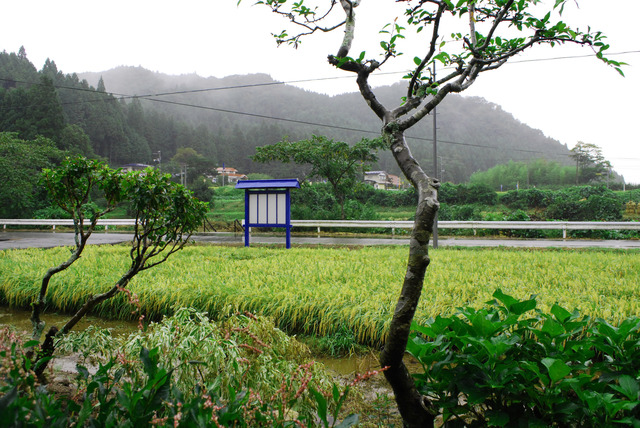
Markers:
(55, 239)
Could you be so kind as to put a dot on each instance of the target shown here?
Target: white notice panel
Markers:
(272, 200)
(282, 208)
(253, 208)
(262, 208)
(268, 208)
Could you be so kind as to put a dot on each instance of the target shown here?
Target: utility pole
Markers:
(435, 164)
(158, 159)
(183, 174)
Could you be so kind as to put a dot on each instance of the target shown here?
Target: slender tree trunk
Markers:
(48, 346)
(411, 404)
(38, 305)
(95, 300)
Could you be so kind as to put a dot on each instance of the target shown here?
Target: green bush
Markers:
(51, 212)
(459, 212)
(313, 202)
(511, 365)
(465, 194)
(519, 215)
(592, 208)
(202, 189)
(386, 198)
(527, 198)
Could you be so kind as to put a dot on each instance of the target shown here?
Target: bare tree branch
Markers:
(429, 55)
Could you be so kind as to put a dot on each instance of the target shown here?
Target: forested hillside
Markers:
(85, 119)
(243, 112)
(127, 114)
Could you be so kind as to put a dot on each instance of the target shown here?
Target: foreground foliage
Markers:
(327, 291)
(185, 371)
(510, 364)
(166, 214)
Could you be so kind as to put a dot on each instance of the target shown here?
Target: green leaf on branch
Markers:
(557, 369)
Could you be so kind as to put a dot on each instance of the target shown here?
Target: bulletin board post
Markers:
(267, 203)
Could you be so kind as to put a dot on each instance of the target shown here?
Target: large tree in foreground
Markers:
(485, 34)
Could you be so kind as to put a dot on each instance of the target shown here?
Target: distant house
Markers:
(378, 179)
(383, 180)
(135, 167)
(227, 175)
(226, 170)
(397, 182)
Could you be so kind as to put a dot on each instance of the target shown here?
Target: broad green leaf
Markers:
(524, 306)
(349, 421)
(560, 313)
(506, 300)
(628, 386)
(558, 369)
(497, 418)
(321, 401)
(552, 328)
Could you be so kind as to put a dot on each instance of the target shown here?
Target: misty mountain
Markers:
(244, 112)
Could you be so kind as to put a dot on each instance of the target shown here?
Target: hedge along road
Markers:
(13, 240)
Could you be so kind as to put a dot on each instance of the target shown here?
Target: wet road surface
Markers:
(40, 239)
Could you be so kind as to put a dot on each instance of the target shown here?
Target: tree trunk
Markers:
(48, 346)
(411, 404)
(38, 305)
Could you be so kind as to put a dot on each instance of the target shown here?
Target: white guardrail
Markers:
(64, 222)
(475, 225)
(393, 225)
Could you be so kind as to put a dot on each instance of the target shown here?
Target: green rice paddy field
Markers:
(321, 290)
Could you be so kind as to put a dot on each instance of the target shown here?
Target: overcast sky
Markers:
(571, 100)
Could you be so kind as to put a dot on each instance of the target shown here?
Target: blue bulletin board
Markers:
(267, 203)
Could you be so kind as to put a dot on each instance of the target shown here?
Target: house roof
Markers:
(269, 184)
(226, 169)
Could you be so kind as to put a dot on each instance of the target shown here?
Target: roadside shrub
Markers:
(202, 189)
(465, 194)
(563, 209)
(459, 212)
(509, 364)
(386, 198)
(313, 202)
(593, 208)
(51, 212)
(602, 208)
(527, 198)
(354, 210)
(519, 215)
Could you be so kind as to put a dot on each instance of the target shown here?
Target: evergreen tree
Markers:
(21, 162)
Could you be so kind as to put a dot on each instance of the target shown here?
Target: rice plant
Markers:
(320, 291)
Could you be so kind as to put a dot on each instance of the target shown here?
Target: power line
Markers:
(261, 116)
(293, 82)
(343, 128)
(289, 82)
(302, 122)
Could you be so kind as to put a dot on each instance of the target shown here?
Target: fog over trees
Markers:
(117, 116)
(492, 137)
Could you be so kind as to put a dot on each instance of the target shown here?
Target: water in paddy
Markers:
(19, 318)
